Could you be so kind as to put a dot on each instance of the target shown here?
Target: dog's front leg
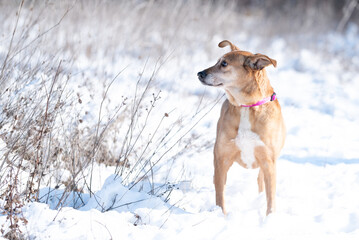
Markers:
(269, 172)
(260, 180)
(221, 168)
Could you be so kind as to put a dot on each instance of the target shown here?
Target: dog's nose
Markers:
(202, 75)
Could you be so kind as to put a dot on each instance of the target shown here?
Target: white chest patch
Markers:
(247, 140)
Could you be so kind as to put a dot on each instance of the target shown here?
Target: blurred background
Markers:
(157, 25)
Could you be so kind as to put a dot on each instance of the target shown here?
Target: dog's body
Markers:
(251, 129)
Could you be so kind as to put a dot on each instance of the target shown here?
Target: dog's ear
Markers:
(226, 43)
(259, 61)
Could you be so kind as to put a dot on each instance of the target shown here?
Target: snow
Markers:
(312, 202)
(317, 172)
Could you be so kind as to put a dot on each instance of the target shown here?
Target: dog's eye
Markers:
(224, 63)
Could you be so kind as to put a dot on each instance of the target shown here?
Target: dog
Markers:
(250, 129)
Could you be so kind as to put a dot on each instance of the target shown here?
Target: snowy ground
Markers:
(318, 171)
(313, 203)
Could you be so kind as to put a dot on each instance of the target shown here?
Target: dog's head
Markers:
(234, 69)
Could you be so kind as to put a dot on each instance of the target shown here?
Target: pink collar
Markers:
(263, 101)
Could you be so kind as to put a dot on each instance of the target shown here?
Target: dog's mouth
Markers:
(217, 85)
(211, 85)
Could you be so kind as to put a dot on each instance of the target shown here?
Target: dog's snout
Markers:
(202, 75)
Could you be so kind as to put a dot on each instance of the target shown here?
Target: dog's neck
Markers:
(258, 89)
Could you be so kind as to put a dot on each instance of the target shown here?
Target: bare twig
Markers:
(11, 41)
(97, 140)
(348, 11)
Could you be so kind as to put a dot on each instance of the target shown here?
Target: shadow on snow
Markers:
(319, 161)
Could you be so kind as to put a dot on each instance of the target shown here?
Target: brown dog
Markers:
(250, 130)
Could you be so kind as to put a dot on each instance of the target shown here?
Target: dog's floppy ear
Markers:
(259, 61)
(226, 43)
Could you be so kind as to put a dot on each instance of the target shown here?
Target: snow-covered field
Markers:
(317, 172)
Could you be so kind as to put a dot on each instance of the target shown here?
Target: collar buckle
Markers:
(273, 97)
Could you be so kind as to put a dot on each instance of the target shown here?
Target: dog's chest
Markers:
(246, 139)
